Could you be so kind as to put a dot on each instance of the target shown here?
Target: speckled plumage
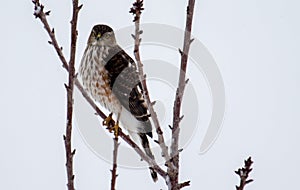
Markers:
(96, 79)
(109, 74)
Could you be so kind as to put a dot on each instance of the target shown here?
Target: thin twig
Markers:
(114, 174)
(243, 173)
(184, 184)
(42, 16)
(39, 13)
(173, 172)
(136, 10)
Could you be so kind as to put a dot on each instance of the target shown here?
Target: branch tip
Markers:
(186, 81)
(79, 7)
(243, 173)
(181, 118)
(66, 86)
(47, 13)
(180, 51)
(184, 184)
(153, 103)
(191, 41)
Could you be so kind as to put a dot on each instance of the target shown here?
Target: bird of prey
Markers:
(110, 75)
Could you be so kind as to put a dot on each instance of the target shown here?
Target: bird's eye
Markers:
(98, 35)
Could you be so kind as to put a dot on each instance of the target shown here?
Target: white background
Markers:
(254, 44)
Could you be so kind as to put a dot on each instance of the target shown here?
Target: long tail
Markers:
(145, 144)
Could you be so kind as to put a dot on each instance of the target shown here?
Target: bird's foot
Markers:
(115, 128)
(108, 122)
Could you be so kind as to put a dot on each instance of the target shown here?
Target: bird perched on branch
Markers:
(110, 75)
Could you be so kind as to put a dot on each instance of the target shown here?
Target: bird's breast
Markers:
(95, 77)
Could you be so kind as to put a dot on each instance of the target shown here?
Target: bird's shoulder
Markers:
(118, 55)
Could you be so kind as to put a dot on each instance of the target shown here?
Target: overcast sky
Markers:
(255, 46)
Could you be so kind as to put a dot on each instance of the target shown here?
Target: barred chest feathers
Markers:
(95, 77)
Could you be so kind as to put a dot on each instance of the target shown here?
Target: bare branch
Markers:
(71, 68)
(243, 173)
(136, 10)
(173, 172)
(114, 174)
(184, 184)
(70, 89)
(39, 13)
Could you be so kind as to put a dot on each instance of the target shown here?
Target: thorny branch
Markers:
(136, 10)
(39, 13)
(243, 173)
(114, 174)
(173, 172)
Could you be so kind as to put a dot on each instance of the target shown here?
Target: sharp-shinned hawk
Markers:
(110, 75)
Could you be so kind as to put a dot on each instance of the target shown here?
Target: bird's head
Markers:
(102, 35)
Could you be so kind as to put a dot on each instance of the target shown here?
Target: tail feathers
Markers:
(145, 144)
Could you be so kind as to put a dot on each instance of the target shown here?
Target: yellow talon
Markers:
(106, 121)
(115, 128)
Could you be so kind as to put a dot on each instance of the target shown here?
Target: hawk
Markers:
(110, 75)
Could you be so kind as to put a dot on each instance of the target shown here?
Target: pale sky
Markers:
(255, 46)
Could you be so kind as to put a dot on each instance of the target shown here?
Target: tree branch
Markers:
(114, 174)
(184, 184)
(136, 10)
(173, 172)
(243, 173)
(39, 13)
(70, 90)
